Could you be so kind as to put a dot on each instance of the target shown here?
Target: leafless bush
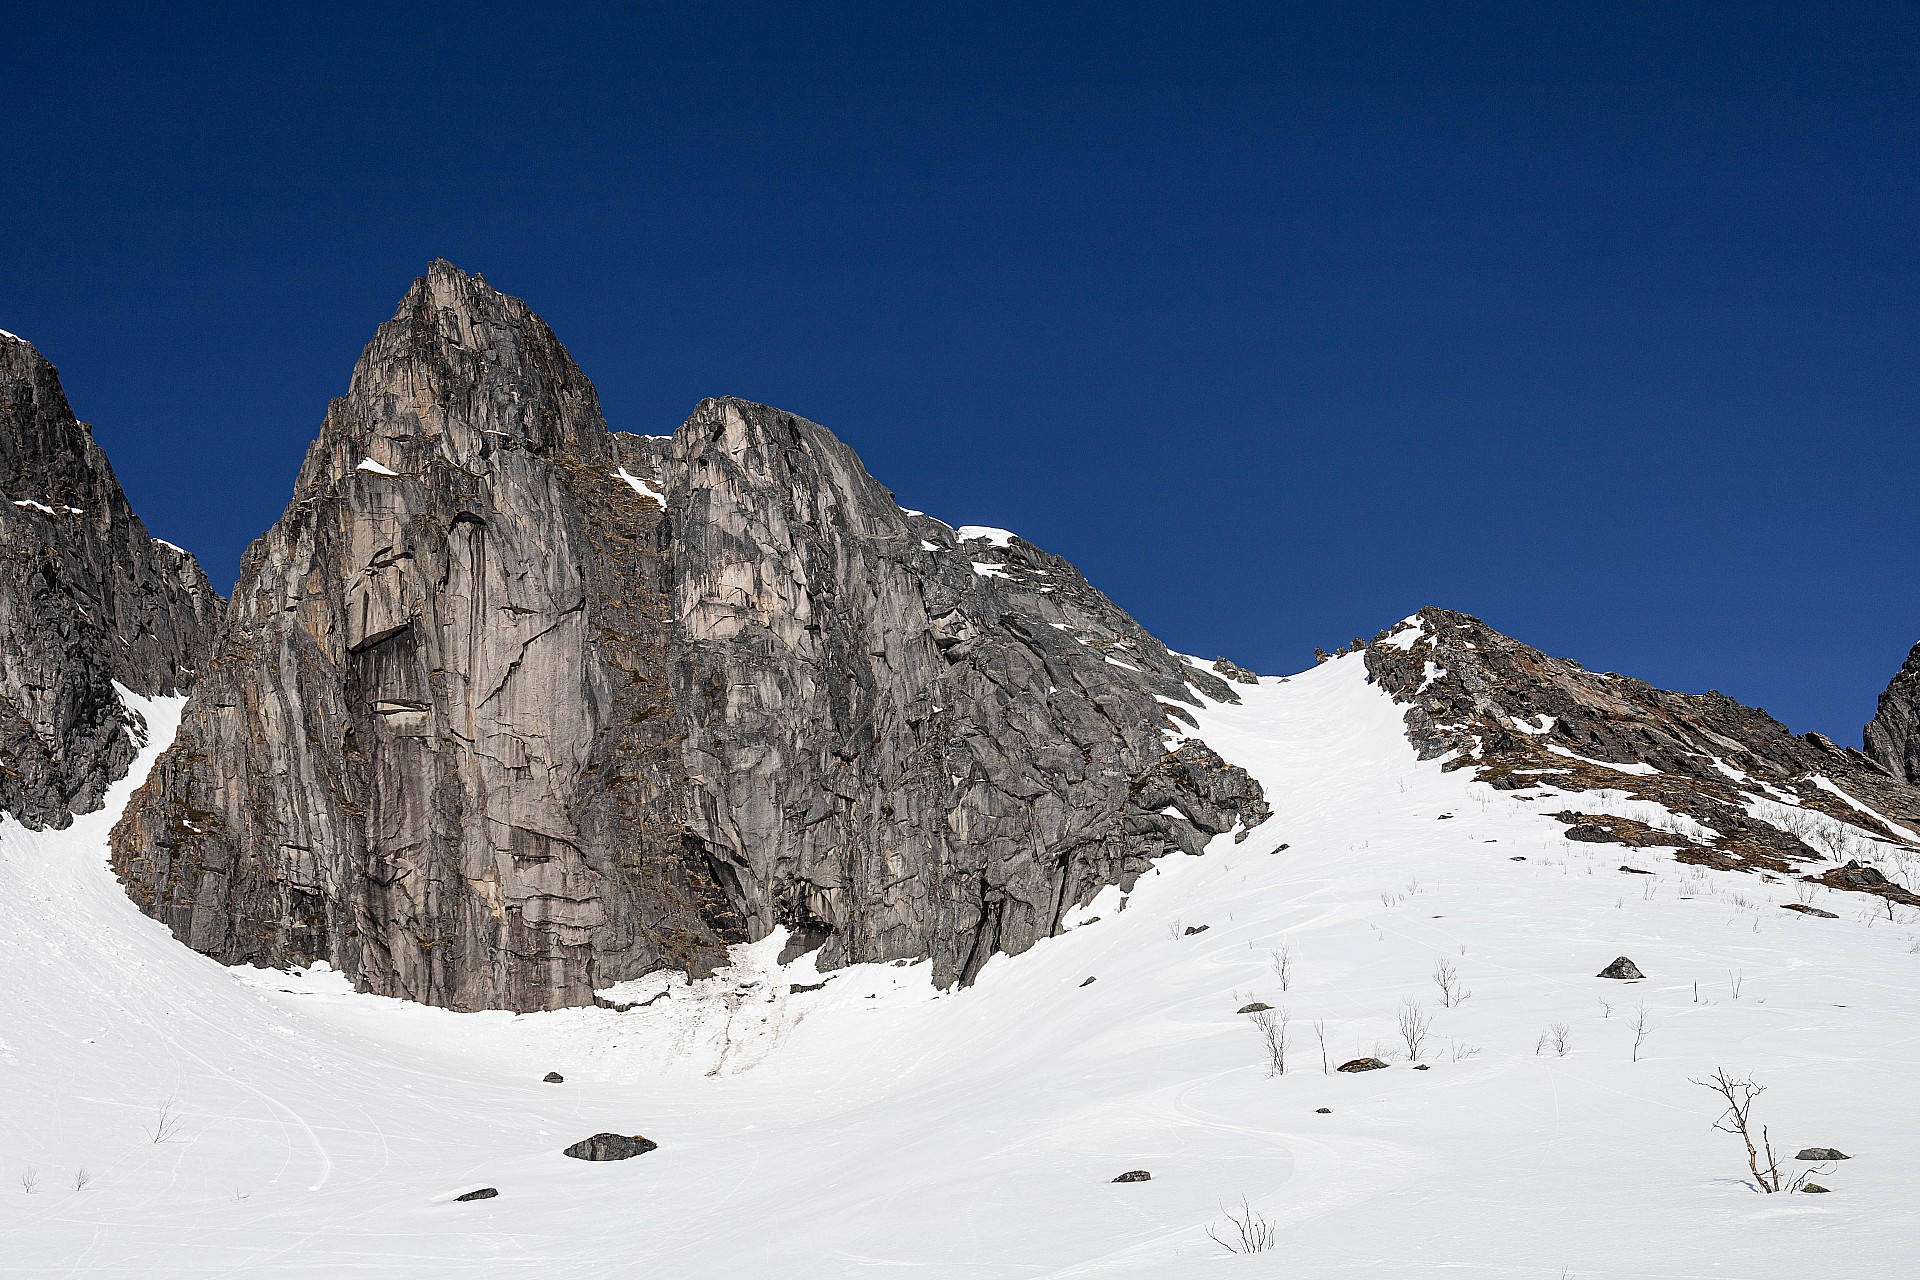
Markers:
(30, 1180)
(166, 1125)
(1413, 1025)
(1606, 1007)
(1737, 1119)
(1272, 1025)
(1735, 981)
(81, 1178)
(1447, 977)
(1283, 965)
(1459, 1051)
(1642, 1028)
(1251, 1232)
(1557, 1037)
(1320, 1030)
(1173, 928)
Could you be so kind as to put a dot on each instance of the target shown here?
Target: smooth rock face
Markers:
(87, 598)
(1893, 735)
(1527, 722)
(511, 707)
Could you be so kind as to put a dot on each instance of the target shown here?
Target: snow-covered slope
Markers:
(872, 1127)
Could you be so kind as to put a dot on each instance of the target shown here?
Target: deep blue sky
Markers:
(1599, 321)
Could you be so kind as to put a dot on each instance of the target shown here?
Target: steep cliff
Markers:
(509, 707)
(1748, 794)
(86, 599)
(1893, 735)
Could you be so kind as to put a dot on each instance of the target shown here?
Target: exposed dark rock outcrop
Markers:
(1621, 968)
(511, 707)
(611, 1146)
(1893, 735)
(87, 599)
(1745, 792)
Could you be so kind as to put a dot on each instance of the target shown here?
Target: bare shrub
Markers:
(1642, 1028)
(1272, 1025)
(81, 1178)
(1736, 981)
(166, 1124)
(1413, 1025)
(1557, 1037)
(1737, 1119)
(1283, 965)
(1459, 1051)
(1446, 976)
(30, 1180)
(1250, 1232)
(1320, 1030)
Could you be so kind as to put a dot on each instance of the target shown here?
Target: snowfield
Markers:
(875, 1127)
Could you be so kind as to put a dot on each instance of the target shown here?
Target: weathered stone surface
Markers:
(1621, 968)
(87, 598)
(1821, 1155)
(1893, 735)
(484, 1193)
(1806, 910)
(1135, 1175)
(1233, 671)
(611, 1146)
(510, 707)
(1362, 1064)
(553, 1077)
(1526, 722)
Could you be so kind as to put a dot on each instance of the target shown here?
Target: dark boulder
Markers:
(1362, 1064)
(610, 1146)
(1256, 1006)
(1821, 1155)
(1806, 910)
(553, 1077)
(1135, 1175)
(484, 1193)
(1621, 968)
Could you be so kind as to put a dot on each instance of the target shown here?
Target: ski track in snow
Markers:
(876, 1127)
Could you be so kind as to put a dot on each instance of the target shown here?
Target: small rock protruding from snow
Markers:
(553, 1077)
(1135, 1175)
(1621, 968)
(484, 1193)
(1256, 1006)
(1822, 1155)
(1089, 982)
(1806, 910)
(1362, 1064)
(610, 1146)
(1197, 928)
(1234, 671)
(1323, 1111)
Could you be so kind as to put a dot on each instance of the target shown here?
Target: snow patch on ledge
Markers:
(641, 487)
(1636, 768)
(991, 570)
(984, 533)
(1414, 630)
(368, 464)
(173, 546)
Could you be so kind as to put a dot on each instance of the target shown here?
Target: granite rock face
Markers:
(510, 707)
(1543, 727)
(1893, 735)
(87, 599)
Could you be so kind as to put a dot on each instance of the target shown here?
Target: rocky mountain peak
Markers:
(460, 373)
(87, 600)
(1745, 792)
(1893, 735)
(511, 709)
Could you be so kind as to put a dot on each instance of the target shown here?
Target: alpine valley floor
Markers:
(874, 1127)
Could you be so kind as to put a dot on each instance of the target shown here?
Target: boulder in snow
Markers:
(484, 1193)
(1820, 1155)
(1621, 968)
(1135, 1175)
(610, 1146)
(1362, 1064)
(553, 1077)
